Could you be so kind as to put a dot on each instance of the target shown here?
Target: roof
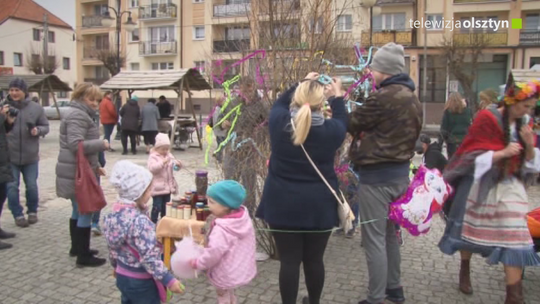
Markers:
(389, 2)
(35, 82)
(28, 10)
(163, 80)
(525, 75)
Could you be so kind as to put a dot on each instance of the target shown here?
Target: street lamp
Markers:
(373, 11)
(129, 25)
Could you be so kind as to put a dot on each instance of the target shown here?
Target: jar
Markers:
(180, 212)
(201, 182)
(168, 209)
(188, 195)
(187, 212)
(173, 211)
(202, 199)
(206, 213)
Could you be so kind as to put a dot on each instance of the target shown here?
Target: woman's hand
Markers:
(512, 149)
(101, 172)
(334, 88)
(106, 144)
(527, 135)
(34, 132)
(312, 76)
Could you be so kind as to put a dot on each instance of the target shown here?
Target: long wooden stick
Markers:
(54, 98)
(194, 117)
(180, 98)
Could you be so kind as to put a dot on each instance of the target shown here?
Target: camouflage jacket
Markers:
(390, 120)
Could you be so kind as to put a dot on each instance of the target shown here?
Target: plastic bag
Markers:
(186, 250)
(425, 196)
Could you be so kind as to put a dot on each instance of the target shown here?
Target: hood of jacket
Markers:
(84, 107)
(18, 104)
(402, 79)
(239, 226)
(133, 102)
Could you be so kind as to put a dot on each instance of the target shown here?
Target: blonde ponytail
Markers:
(302, 124)
(308, 96)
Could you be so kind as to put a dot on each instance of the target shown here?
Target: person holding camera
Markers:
(6, 124)
(23, 142)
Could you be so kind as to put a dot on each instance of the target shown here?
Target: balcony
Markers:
(96, 81)
(279, 6)
(159, 11)
(151, 48)
(293, 43)
(232, 10)
(91, 53)
(229, 46)
(498, 38)
(382, 38)
(92, 21)
(529, 37)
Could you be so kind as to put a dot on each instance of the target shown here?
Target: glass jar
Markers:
(168, 209)
(187, 212)
(201, 182)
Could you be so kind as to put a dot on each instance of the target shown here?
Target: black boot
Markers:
(84, 257)
(6, 235)
(5, 246)
(74, 238)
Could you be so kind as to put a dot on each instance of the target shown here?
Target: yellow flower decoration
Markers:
(522, 91)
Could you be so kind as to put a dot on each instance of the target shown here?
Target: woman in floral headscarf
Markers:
(488, 214)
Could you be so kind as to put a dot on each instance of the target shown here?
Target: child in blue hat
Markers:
(229, 256)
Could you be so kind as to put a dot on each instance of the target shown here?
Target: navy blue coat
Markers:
(294, 195)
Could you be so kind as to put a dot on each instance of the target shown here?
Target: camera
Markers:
(12, 111)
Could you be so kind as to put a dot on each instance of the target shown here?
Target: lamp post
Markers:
(108, 21)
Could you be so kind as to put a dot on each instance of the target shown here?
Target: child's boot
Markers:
(514, 294)
(465, 285)
(84, 256)
(75, 238)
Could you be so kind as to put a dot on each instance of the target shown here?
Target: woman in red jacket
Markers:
(108, 116)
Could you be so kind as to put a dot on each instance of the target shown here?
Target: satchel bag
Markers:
(345, 214)
(88, 193)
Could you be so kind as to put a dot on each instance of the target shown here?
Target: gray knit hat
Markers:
(390, 59)
(20, 84)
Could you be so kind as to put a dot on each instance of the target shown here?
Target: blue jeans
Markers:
(83, 220)
(137, 291)
(158, 206)
(108, 130)
(30, 175)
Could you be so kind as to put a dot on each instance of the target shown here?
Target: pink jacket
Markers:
(164, 182)
(230, 255)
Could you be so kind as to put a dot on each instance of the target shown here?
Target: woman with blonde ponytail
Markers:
(296, 203)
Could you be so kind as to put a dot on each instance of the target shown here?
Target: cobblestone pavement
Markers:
(38, 269)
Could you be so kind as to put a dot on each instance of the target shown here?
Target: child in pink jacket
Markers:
(162, 163)
(230, 254)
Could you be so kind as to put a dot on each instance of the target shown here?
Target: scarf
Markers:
(317, 118)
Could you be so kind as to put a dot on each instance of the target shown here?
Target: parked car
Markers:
(63, 106)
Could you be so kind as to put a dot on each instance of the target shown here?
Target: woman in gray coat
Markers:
(150, 117)
(78, 125)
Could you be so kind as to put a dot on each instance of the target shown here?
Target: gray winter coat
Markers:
(23, 147)
(77, 125)
(150, 117)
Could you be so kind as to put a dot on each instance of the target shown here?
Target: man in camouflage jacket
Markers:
(390, 121)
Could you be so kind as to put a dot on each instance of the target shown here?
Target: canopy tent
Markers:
(47, 83)
(177, 80)
(525, 75)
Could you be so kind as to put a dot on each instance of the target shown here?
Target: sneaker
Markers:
(96, 231)
(21, 222)
(395, 295)
(32, 218)
(399, 236)
(339, 231)
(351, 233)
(6, 235)
(5, 246)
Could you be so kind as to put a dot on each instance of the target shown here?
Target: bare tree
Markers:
(39, 64)
(112, 60)
(462, 53)
(296, 36)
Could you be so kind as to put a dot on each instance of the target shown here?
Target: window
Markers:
(17, 59)
(35, 58)
(436, 22)
(101, 72)
(62, 95)
(36, 34)
(102, 42)
(237, 33)
(135, 66)
(287, 31)
(66, 63)
(1, 57)
(533, 61)
(532, 22)
(161, 33)
(389, 22)
(344, 23)
(198, 33)
(134, 36)
(162, 66)
(101, 9)
(51, 37)
(316, 26)
(134, 3)
(198, 1)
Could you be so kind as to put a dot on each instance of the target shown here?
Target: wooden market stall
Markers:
(46, 83)
(177, 80)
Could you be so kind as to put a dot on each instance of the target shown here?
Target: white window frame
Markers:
(159, 65)
(383, 18)
(138, 66)
(68, 63)
(232, 31)
(20, 57)
(130, 35)
(529, 28)
(133, 3)
(195, 27)
(341, 26)
(169, 31)
(438, 18)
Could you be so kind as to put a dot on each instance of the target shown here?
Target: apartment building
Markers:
(21, 31)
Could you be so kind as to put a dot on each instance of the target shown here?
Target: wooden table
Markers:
(171, 229)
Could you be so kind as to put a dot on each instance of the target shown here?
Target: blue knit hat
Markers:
(20, 84)
(228, 193)
(134, 97)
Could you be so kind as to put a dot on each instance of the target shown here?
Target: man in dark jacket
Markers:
(130, 113)
(391, 122)
(6, 174)
(164, 107)
(23, 141)
(433, 157)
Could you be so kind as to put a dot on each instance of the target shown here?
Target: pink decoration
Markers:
(186, 250)
(425, 196)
